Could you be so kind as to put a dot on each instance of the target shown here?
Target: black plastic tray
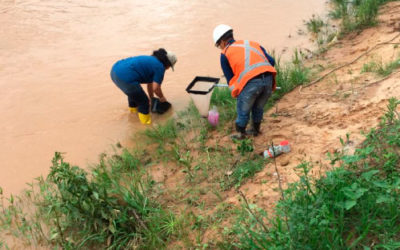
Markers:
(203, 79)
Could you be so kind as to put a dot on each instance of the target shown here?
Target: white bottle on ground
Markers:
(283, 147)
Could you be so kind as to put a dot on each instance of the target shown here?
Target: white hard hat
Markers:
(171, 58)
(219, 31)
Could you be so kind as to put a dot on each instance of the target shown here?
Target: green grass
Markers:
(369, 67)
(289, 76)
(162, 133)
(315, 24)
(380, 68)
(356, 205)
(111, 208)
(242, 171)
(356, 14)
(221, 97)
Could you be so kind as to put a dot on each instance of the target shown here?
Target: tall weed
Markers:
(289, 76)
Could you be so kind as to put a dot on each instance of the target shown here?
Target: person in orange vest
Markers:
(250, 73)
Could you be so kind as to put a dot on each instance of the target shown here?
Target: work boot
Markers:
(255, 130)
(133, 109)
(241, 133)
(145, 118)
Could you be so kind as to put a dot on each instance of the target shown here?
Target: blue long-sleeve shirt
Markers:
(140, 69)
(226, 68)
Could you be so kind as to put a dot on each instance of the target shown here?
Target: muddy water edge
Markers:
(55, 57)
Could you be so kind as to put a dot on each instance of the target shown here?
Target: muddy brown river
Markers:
(55, 58)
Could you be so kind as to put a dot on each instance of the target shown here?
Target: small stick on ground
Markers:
(251, 211)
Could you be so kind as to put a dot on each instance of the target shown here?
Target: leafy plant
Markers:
(244, 146)
(105, 210)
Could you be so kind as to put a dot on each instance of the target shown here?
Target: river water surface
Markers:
(55, 58)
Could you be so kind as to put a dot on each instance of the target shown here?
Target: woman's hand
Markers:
(157, 90)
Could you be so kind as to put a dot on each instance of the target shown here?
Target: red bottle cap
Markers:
(284, 143)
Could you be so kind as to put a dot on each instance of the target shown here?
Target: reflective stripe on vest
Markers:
(247, 66)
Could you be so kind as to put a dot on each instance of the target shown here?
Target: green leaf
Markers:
(381, 184)
(349, 204)
(349, 159)
(396, 183)
(354, 193)
(54, 235)
(96, 195)
(383, 199)
(367, 175)
(111, 228)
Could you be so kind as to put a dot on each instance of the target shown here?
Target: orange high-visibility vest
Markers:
(247, 61)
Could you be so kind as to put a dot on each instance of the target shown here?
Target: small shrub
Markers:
(381, 68)
(369, 67)
(314, 25)
(102, 211)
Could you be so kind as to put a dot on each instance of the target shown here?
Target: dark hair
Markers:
(161, 55)
(226, 37)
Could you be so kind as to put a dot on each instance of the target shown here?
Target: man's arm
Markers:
(226, 68)
(270, 58)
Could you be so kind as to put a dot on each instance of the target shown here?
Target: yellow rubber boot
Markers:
(145, 119)
(133, 109)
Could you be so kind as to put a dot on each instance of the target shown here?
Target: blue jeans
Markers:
(136, 95)
(252, 99)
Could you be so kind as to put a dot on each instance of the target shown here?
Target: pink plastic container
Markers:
(213, 117)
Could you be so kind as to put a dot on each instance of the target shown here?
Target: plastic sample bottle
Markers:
(283, 147)
(213, 116)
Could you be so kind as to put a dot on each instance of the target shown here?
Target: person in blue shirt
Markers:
(129, 73)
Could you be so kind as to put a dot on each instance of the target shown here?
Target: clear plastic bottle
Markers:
(283, 147)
